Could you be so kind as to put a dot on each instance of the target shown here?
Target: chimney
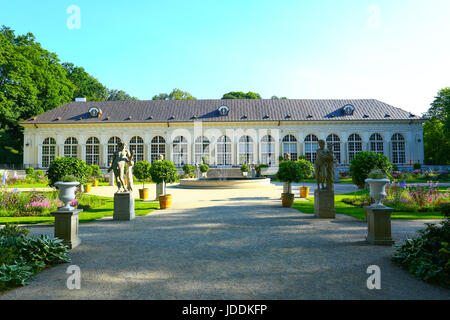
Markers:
(80, 99)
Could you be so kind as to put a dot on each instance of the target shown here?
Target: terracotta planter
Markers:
(143, 193)
(287, 200)
(304, 192)
(95, 183)
(165, 201)
(87, 188)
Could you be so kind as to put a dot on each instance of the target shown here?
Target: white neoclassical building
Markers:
(225, 133)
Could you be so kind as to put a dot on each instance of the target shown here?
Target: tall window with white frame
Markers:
(335, 142)
(201, 150)
(398, 149)
(180, 151)
(137, 147)
(224, 151)
(268, 150)
(311, 145)
(113, 146)
(245, 150)
(354, 145)
(48, 151)
(71, 147)
(376, 143)
(290, 147)
(92, 151)
(157, 148)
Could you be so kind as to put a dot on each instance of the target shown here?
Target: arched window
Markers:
(354, 145)
(223, 151)
(376, 143)
(112, 148)
(157, 147)
(335, 143)
(180, 151)
(201, 149)
(268, 150)
(245, 150)
(398, 149)
(71, 147)
(311, 145)
(92, 151)
(290, 147)
(48, 151)
(137, 147)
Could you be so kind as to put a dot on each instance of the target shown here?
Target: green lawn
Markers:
(358, 213)
(141, 209)
(28, 185)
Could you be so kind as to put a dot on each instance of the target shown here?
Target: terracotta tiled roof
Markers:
(207, 110)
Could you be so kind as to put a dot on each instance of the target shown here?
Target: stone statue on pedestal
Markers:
(122, 166)
(324, 194)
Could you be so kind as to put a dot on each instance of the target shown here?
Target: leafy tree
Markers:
(86, 85)
(176, 94)
(366, 161)
(164, 171)
(241, 95)
(436, 145)
(120, 95)
(141, 171)
(276, 98)
(290, 171)
(63, 166)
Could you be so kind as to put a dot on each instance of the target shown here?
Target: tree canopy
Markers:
(241, 95)
(176, 94)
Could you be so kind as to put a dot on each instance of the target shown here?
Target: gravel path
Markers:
(229, 244)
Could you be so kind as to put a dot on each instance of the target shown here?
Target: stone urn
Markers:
(67, 193)
(377, 190)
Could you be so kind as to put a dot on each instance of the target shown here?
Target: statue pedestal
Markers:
(66, 227)
(111, 178)
(123, 206)
(379, 226)
(324, 204)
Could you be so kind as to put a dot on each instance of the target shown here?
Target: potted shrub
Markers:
(204, 168)
(244, 170)
(307, 170)
(188, 170)
(288, 172)
(377, 180)
(67, 187)
(163, 172)
(141, 171)
(95, 174)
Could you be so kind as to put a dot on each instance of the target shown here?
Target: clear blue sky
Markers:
(395, 51)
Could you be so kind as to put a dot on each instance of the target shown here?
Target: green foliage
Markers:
(241, 95)
(427, 256)
(244, 168)
(289, 171)
(141, 171)
(120, 95)
(176, 94)
(306, 167)
(204, 168)
(29, 171)
(377, 174)
(63, 166)
(69, 178)
(205, 159)
(12, 230)
(366, 161)
(436, 142)
(445, 210)
(417, 166)
(188, 169)
(164, 171)
(95, 171)
(277, 98)
(39, 174)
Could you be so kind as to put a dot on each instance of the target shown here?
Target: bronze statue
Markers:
(324, 167)
(122, 166)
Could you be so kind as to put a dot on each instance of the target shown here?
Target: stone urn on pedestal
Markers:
(378, 215)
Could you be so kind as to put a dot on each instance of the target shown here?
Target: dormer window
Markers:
(223, 110)
(348, 110)
(95, 112)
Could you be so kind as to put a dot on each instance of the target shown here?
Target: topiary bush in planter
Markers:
(188, 169)
(164, 172)
(366, 161)
(63, 166)
(289, 171)
(204, 168)
(306, 167)
(141, 171)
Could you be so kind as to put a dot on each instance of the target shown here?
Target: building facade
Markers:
(223, 133)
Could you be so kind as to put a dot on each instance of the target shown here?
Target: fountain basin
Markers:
(225, 183)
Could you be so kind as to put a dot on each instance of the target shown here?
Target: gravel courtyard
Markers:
(229, 244)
